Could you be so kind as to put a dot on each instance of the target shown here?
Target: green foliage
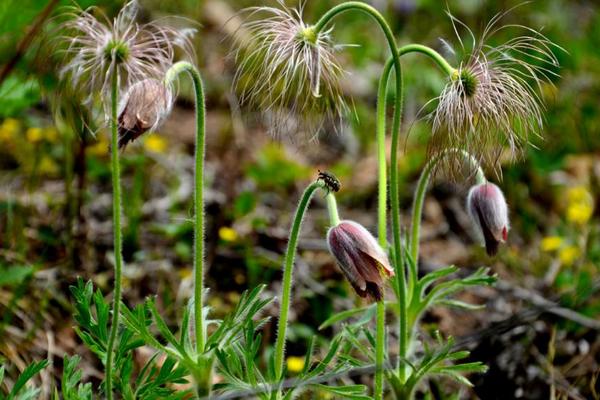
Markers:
(273, 170)
(14, 275)
(144, 318)
(241, 366)
(17, 94)
(153, 381)
(71, 386)
(20, 390)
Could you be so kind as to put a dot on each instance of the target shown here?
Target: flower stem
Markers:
(334, 217)
(116, 186)
(381, 108)
(412, 274)
(380, 351)
(172, 73)
(288, 268)
(421, 190)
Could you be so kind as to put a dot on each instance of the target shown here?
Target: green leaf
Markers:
(341, 316)
(461, 304)
(17, 94)
(355, 392)
(15, 275)
(29, 372)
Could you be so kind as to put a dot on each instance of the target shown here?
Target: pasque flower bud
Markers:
(363, 262)
(147, 102)
(489, 212)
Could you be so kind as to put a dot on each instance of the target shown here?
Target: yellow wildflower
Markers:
(51, 134)
(568, 255)
(99, 149)
(48, 166)
(295, 364)
(185, 273)
(551, 243)
(9, 129)
(579, 213)
(227, 234)
(34, 135)
(5, 135)
(11, 125)
(155, 143)
(580, 205)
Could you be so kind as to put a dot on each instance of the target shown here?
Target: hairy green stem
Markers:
(404, 339)
(116, 186)
(381, 106)
(172, 73)
(319, 26)
(288, 269)
(381, 157)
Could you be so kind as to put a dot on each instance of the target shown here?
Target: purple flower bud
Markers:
(489, 212)
(364, 263)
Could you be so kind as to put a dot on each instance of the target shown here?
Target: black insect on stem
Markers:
(332, 183)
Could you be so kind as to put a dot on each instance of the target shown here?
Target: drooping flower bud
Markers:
(146, 103)
(489, 212)
(363, 262)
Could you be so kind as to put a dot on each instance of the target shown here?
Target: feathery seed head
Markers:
(288, 71)
(97, 47)
(491, 100)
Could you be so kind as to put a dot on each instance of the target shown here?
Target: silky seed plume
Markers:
(288, 71)
(491, 102)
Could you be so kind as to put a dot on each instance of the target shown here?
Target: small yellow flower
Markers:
(295, 364)
(568, 255)
(9, 129)
(551, 243)
(185, 273)
(34, 135)
(579, 213)
(155, 144)
(5, 135)
(48, 166)
(11, 124)
(51, 134)
(99, 149)
(580, 205)
(227, 234)
(577, 194)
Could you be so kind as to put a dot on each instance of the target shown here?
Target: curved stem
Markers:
(288, 268)
(421, 190)
(431, 53)
(172, 73)
(116, 185)
(398, 248)
(323, 21)
(381, 157)
(381, 123)
(334, 217)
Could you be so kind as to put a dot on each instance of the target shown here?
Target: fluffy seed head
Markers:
(491, 102)
(362, 260)
(488, 211)
(288, 71)
(96, 47)
(145, 105)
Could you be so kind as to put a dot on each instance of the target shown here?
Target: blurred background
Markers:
(539, 330)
